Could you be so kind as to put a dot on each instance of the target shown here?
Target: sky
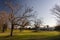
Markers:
(42, 8)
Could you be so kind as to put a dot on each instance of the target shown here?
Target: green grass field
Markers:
(29, 35)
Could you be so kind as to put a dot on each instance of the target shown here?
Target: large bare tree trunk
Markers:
(12, 27)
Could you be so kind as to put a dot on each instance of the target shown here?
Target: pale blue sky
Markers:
(43, 9)
(41, 6)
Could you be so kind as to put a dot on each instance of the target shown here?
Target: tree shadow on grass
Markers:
(29, 38)
(55, 38)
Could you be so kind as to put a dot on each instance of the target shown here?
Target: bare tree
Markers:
(37, 24)
(56, 12)
(24, 22)
(15, 19)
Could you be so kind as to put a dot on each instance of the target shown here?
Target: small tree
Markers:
(3, 20)
(4, 27)
(24, 22)
(47, 27)
(37, 24)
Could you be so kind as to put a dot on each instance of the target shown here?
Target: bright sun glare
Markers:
(51, 24)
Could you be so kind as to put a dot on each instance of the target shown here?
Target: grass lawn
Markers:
(29, 35)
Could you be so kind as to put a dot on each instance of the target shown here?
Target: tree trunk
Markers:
(3, 29)
(12, 27)
(22, 28)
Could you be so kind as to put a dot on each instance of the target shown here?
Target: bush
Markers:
(57, 28)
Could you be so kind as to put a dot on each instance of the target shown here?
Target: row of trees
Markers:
(11, 17)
